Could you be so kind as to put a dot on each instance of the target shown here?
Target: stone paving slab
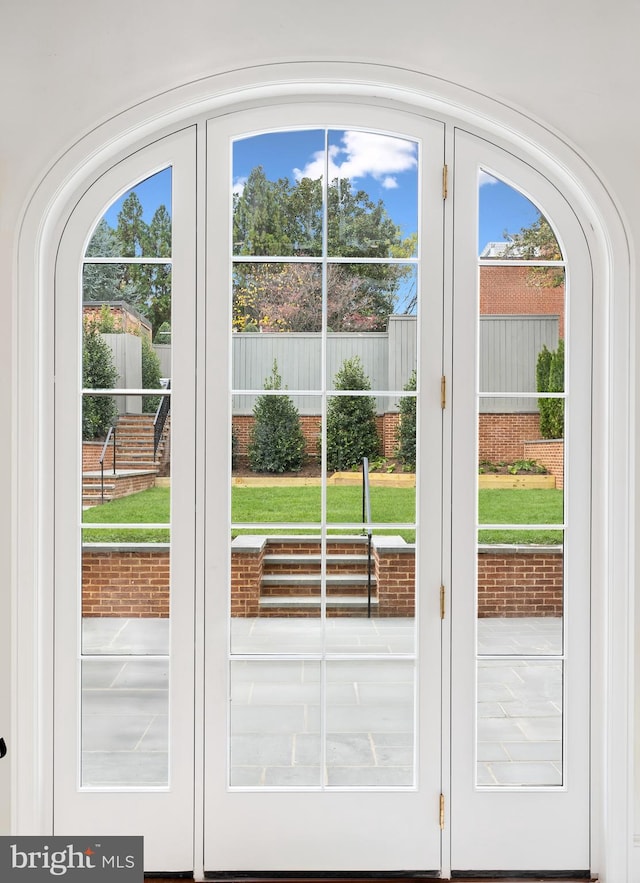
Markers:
(276, 704)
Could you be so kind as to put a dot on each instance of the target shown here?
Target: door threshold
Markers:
(376, 877)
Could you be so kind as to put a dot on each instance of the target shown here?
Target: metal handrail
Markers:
(160, 419)
(112, 432)
(366, 520)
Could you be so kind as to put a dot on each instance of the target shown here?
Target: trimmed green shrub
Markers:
(98, 372)
(407, 425)
(150, 375)
(277, 442)
(351, 420)
(550, 378)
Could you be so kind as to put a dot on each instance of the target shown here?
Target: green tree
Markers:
(277, 442)
(537, 242)
(550, 378)
(277, 218)
(407, 425)
(146, 286)
(156, 278)
(163, 333)
(101, 281)
(98, 372)
(259, 226)
(133, 237)
(150, 375)
(351, 420)
(132, 232)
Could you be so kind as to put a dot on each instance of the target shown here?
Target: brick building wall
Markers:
(126, 318)
(509, 291)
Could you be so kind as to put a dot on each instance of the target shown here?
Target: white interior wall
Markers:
(67, 67)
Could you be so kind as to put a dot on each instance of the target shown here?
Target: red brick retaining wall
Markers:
(512, 580)
(118, 582)
(386, 424)
(550, 454)
(502, 436)
(91, 452)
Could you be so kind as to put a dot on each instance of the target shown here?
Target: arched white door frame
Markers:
(44, 218)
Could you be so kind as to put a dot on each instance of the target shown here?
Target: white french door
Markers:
(323, 713)
(264, 670)
(520, 602)
(124, 599)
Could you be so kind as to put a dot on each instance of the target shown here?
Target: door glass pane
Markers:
(277, 297)
(125, 721)
(137, 224)
(322, 563)
(275, 724)
(367, 297)
(511, 227)
(520, 722)
(520, 595)
(521, 513)
(126, 502)
(370, 723)
(382, 220)
(277, 193)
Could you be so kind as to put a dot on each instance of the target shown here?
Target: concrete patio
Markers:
(276, 728)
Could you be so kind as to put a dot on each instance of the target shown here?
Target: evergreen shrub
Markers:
(550, 378)
(98, 372)
(407, 426)
(277, 442)
(351, 420)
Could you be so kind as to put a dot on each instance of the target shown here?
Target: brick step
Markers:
(133, 438)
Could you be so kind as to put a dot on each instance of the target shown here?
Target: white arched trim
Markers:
(43, 220)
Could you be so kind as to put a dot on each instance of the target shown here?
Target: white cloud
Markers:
(486, 178)
(363, 154)
(238, 185)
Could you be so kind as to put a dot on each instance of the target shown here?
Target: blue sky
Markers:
(384, 166)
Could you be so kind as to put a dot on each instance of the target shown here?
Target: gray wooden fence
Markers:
(508, 351)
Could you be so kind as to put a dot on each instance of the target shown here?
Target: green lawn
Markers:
(151, 507)
(344, 504)
(508, 506)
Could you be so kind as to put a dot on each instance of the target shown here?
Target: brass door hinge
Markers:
(442, 601)
(443, 392)
(442, 812)
(445, 181)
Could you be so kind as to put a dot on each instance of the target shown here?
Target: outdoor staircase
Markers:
(134, 442)
(291, 577)
(136, 466)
